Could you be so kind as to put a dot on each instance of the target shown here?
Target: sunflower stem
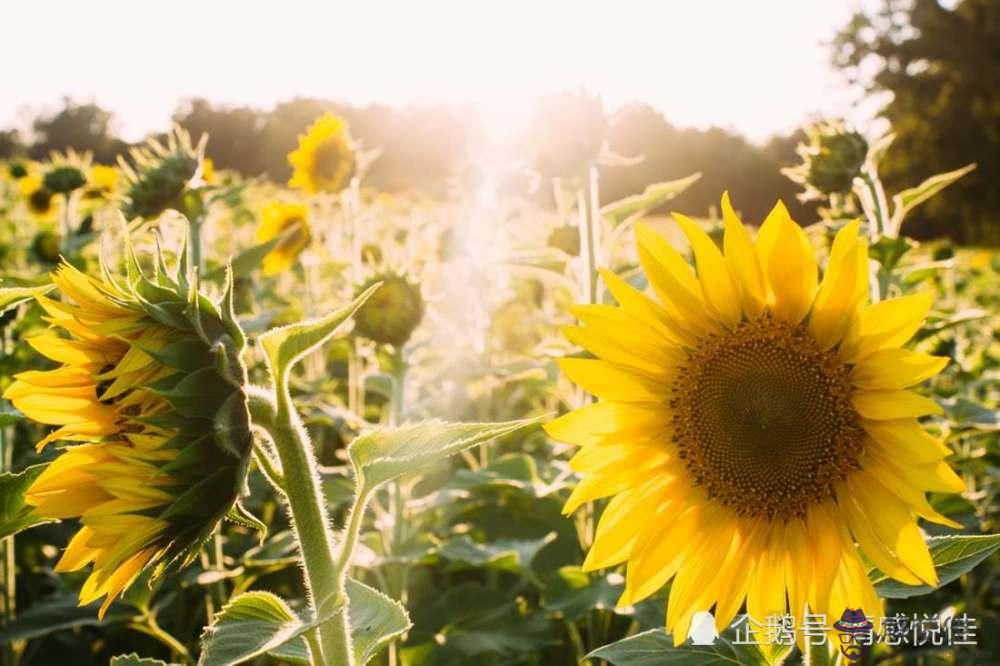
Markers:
(324, 575)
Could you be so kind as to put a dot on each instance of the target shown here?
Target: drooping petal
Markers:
(890, 404)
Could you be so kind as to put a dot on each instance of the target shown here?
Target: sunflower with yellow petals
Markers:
(757, 428)
(290, 221)
(148, 400)
(325, 159)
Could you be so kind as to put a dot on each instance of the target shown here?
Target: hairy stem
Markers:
(323, 577)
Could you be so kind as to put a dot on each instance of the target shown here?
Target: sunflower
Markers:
(148, 399)
(392, 313)
(289, 220)
(40, 200)
(325, 159)
(755, 427)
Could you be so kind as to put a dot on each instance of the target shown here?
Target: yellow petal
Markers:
(611, 382)
(673, 281)
(789, 263)
(643, 308)
(595, 423)
(720, 291)
(877, 551)
(744, 264)
(698, 573)
(905, 439)
(843, 290)
(766, 593)
(896, 479)
(896, 368)
(622, 521)
(892, 522)
(884, 324)
(622, 350)
(890, 404)
(735, 573)
(77, 554)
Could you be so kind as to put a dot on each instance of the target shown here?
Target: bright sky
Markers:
(758, 66)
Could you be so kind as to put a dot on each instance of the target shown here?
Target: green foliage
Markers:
(953, 556)
(15, 515)
(938, 62)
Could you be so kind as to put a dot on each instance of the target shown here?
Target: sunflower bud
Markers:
(392, 313)
(63, 179)
(159, 175)
(150, 403)
(46, 247)
(832, 159)
(17, 170)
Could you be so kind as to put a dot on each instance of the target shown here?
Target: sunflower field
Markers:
(315, 423)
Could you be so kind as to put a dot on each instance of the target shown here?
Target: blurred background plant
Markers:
(480, 252)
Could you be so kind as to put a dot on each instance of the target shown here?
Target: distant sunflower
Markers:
(290, 220)
(325, 158)
(157, 431)
(755, 429)
(40, 200)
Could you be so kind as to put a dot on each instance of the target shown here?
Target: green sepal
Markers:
(194, 457)
(187, 355)
(232, 426)
(241, 516)
(198, 394)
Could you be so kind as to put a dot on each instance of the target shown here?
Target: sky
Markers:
(760, 67)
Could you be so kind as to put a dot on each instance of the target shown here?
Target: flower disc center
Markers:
(763, 419)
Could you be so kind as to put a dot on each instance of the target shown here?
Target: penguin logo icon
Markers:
(703, 630)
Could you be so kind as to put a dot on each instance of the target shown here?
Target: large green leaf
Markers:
(572, 592)
(514, 555)
(135, 660)
(15, 515)
(286, 345)
(656, 648)
(910, 198)
(653, 196)
(952, 555)
(383, 454)
(248, 626)
(375, 621)
(53, 613)
(13, 296)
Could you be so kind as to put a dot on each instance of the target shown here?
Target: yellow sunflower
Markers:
(289, 220)
(755, 427)
(40, 201)
(324, 160)
(157, 436)
(103, 178)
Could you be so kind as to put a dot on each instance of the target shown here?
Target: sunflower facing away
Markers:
(325, 159)
(289, 220)
(148, 401)
(755, 429)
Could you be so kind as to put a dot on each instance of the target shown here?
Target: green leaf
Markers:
(9, 415)
(573, 592)
(53, 613)
(13, 296)
(375, 621)
(514, 555)
(135, 660)
(248, 260)
(248, 626)
(653, 196)
(241, 516)
(909, 199)
(383, 454)
(287, 345)
(656, 648)
(966, 414)
(952, 555)
(15, 515)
